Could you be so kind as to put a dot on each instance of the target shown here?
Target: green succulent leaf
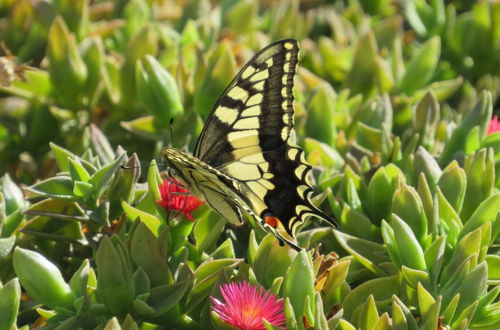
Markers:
(321, 108)
(208, 229)
(425, 163)
(220, 71)
(363, 65)
(409, 321)
(487, 211)
(42, 279)
(145, 252)
(382, 290)
(206, 276)
(453, 182)
(406, 245)
(165, 297)
(478, 116)
(80, 279)
(67, 69)
(291, 321)
(59, 187)
(434, 257)
(268, 253)
(10, 296)
(101, 145)
(13, 198)
(114, 272)
(407, 205)
(368, 253)
(381, 190)
(299, 286)
(157, 90)
(152, 222)
(422, 66)
(368, 314)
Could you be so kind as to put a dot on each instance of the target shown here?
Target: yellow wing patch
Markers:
(243, 159)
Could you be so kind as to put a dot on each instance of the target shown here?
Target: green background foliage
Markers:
(393, 104)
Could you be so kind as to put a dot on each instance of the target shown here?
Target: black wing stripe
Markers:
(244, 150)
(269, 66)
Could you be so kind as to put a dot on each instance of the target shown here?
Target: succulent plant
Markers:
(394, 107)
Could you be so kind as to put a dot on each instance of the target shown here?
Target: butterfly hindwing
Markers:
(212, 186)
(245, 153)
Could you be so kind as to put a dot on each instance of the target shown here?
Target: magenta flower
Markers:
(494, 126)
(175, 197)
(246, 306)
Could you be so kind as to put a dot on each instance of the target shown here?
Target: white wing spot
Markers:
(244, 142)
(266, 183)
(253, 159)
(257, 188)
(292, 153)
(247, 123)
(269, 62)
(264, 166)
(238, 93)
(254, 100)
(301, 190)
(301, 208)
(242, 171)
(293, 223)
(284, 133)
(264, 74)
(243, 152)
(226, 115)
(299, 171)
(289, 45)
(268, 175)
(251, 111)
(284, 92)
(236, 135)
(286, 118)
(259, 86)
(250, 70)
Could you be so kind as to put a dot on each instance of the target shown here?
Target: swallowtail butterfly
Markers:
(244, 159)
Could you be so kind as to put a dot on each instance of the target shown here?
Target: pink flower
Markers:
(175, 197)
(494, 126)
(245, 306)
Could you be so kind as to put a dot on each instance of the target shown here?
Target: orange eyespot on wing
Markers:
(272, 221)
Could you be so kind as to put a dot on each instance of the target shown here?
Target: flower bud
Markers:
(157, 90)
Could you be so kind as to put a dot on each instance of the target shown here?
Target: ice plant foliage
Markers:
(494, 125)
(175, 197)
(246, 306)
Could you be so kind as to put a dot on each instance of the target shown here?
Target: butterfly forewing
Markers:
(256, 110)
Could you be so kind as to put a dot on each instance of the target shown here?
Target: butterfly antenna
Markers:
(125, 167)
(171, 131)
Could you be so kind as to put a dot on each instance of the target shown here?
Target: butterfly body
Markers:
(244, 158)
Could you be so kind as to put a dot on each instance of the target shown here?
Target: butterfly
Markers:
(244, 158)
